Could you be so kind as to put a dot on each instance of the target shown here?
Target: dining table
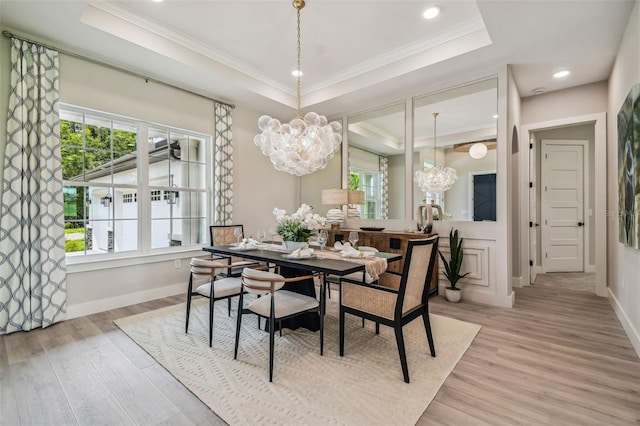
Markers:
(325, 262)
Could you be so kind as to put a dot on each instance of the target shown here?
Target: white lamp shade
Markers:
(356, 197)
(337, 197)
(478, 150)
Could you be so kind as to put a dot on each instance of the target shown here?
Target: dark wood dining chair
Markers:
(395, 300)
(274, 304)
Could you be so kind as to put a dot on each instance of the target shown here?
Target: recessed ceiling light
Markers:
(296, 73)
(431, 13)
(561, 74)
(495, 116)
(156, 1)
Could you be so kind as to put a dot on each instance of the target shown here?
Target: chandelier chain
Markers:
(435, 116)
(303, 145)
(298, 57)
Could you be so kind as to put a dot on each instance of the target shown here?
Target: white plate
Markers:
(288, 256)
(237, 248)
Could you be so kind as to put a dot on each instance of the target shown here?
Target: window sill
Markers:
(120, 260)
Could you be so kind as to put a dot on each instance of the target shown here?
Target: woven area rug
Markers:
(365, 387)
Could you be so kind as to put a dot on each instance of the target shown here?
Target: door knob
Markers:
(580, 223)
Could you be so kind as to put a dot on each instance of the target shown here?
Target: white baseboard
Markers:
(516, 282)
(632, 333)
(472, 295)
(590, 269)
(101, 305)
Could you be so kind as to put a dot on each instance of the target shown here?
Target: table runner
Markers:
(373, 265)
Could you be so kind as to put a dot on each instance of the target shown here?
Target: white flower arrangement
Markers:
(299, 226)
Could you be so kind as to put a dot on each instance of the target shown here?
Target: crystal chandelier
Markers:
(305, 144)
(436, 179)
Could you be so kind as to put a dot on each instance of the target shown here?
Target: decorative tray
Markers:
(371, 228)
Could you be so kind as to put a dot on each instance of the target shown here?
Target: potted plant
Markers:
(452, 267)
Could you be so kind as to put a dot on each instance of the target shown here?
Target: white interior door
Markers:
(562, 198)
(533, 243)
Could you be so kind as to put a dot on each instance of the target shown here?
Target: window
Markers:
(369, 182)
(108, 160)
(129, 198)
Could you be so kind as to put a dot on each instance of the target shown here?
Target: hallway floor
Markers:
(576, 281)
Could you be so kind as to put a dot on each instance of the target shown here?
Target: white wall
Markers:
(624, 262)
(514, 185)
(572, 102)
(311, 186)
(258, 188)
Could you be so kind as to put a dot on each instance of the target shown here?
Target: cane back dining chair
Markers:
(395, 300)
(215, 288)
(221, 235)
(275, 304)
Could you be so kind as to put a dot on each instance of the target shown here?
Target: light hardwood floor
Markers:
(559, 357)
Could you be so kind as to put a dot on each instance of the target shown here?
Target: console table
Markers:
(386, 241)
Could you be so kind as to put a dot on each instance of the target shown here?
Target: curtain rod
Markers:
(8, 34)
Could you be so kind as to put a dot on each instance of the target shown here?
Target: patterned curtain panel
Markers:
(32, 253)
(384, 187)
(223, 166)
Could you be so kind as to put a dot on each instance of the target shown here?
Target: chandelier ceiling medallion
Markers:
(305, 144)
(436, 179)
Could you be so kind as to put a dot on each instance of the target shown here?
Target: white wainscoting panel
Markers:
(475, 261)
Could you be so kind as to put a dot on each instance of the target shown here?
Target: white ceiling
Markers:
(353, 52)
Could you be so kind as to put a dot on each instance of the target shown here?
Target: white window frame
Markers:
(144, 253)
(377, 189)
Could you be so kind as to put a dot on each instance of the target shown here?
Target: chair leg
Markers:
(229, 305)
(189, 295)
(280, 327)
(341, 331)
(427, 327)
(238, 322)
(212, 301)
(271, 337)
(321, 330)
(377, 327)
(402, 352)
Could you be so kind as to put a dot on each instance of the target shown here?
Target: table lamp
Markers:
(355, 197)
(337, 198)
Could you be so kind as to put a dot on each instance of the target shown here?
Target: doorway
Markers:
(595, 206)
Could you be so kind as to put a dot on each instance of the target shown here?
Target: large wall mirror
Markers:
(377, 161)
(376, 147)
(465, 140)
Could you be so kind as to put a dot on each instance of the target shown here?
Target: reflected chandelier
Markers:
(436, 179)
(305, 144)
